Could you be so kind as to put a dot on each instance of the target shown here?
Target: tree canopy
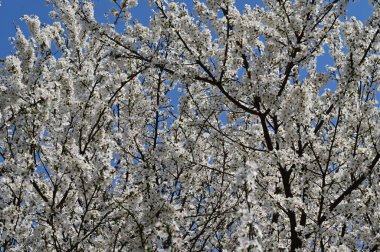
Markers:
(210, 129)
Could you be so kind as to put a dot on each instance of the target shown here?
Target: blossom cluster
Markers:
(211, 129)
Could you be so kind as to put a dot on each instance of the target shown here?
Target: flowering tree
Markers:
(256, 154)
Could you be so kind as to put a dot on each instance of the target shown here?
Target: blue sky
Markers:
(12, 10)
